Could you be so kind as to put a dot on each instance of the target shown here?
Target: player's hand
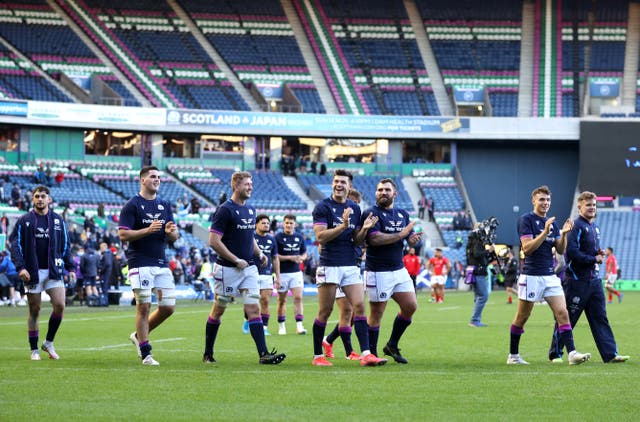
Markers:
(407, 229)
(154, 227)
(414, 238)
(567, 226)
(345, 217)
(370, 221)
(170, 228)
(263, 260)
(547, 224)
(24, 276)
(241, 264)
(277, 282)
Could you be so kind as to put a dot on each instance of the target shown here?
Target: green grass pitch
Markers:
(455, 372)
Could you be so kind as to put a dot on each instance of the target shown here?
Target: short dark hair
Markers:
(343, 172)
(389, 180)
(290, 217)
(610, 249)
(146, 169)
(261, 217)
(41, 188)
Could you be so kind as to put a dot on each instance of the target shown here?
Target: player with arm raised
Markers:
(538, 235)
(336, 222)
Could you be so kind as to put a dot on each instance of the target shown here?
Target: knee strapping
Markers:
(223, 301)
(142, 295)
(168, 297)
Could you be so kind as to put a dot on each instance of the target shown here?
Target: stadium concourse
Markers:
(466, 108)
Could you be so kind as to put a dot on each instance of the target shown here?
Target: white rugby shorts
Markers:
(382, 285)
(534, 288)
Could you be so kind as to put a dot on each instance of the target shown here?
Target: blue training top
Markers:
(137, 214)
(236, 224)
(540, 262)
(290, 245)
(269, 247)
(338, 252)
(583, 244)
(386, 257)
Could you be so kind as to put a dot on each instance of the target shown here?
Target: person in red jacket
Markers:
(412, 264)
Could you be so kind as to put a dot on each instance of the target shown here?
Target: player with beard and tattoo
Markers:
(386, 276)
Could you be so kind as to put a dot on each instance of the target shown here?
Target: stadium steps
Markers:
(429, 59)
(293, 184)
(309, 57)
(631, 54)
(349, 99)
(430, 229)
(214, 55)
(525, 88)
(113, 47)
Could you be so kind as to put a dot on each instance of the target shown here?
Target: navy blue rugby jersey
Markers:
(269, 247)
(386, 257)
(339, 252)
(137, 214)
(540, 262)
(236, 225)
(42, 240)
(289, 245)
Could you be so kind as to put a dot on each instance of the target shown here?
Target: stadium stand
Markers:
(619, 229)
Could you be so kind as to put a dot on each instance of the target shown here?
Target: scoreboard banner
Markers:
(300, 124)
(604, 87)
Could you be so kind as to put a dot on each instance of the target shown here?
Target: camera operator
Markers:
(480, 251)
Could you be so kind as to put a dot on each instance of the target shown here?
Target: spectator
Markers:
(431, 206)
(47, 176)
(9, 278)
(16, 196)
(458, 221)
(422, 205)
(89, 270)
(116, 271)
(195, 205)
(74, 235)
(101, 210)
(4, 223)
(323, 169)
(105, 270)
(59, 178)
(223, 198)
(467, 221)
(39, 176)
(182, 209)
